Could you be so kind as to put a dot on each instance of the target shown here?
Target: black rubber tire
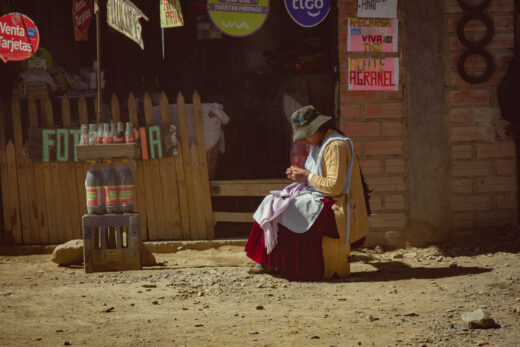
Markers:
(490, 30)
(490, 65)
(475, 8)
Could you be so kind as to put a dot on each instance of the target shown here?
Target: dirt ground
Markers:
(410, 297)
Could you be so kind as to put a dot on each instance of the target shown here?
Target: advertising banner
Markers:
(377, 8)
(19, 37)
(171, 14)
(124, 16)
(82, 16)
(308, 13)
(372, 73)
(372, 35)
(238, 17)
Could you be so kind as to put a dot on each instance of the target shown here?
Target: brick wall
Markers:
(483, 192)
(482, 164)
(375, 120)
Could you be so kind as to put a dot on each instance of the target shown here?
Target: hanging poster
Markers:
(82, 16)
(238, 17)
(372, 35)
(308, 13)
(124, 16)
(171, 14)
(373, 73)
(377, 8)
(19, 37)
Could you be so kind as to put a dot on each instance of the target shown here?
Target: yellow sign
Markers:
(171, 14)
(124, 16)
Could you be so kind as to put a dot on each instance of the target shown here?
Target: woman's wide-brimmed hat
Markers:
(306, 121)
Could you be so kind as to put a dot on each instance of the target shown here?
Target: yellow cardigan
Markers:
(336, 157)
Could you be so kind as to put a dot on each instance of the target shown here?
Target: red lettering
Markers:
(352, 77)
(373, 78)
(366, 78)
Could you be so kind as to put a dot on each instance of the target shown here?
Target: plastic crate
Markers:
(111, 242)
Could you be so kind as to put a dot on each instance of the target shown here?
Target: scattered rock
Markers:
(68, 253)
(478, 319)
(253, 332)
(398, 256)
(108, 310)
(371, 318)
(453, 265)
(147, 257)
(315, 337)
(259, 307)
(155, 302)
(379, 250)
(149, 286)
(66, 343)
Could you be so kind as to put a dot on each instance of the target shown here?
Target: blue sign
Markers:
(308, 13)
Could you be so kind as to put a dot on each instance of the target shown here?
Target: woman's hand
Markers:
(297, 174)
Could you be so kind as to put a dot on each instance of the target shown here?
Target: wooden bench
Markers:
(241, 188)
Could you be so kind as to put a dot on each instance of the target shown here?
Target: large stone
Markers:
(478, 319)
(69, 253)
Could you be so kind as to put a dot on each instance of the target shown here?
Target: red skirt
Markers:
(298, 257)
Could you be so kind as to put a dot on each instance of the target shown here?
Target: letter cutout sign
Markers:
(19, 37)
(308, 13)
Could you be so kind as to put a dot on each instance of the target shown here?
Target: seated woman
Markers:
(306, 231)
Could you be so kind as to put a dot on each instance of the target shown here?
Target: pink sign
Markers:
(19, 37)
(371, 73)
(372, 35)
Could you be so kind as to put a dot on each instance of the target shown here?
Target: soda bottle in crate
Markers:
(126, 186)
(94, 189)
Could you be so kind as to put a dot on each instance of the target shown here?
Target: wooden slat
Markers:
(116, 112)
(169, 183)
(25, 203)
(188, 174)
(68, 193)
(246, 188)
(4, 187)
(107, 151)
(51, 184)
(233, 216)
(203, 169)
(139, 177)
(81, 167)
(14, 201)
(198, 191)
(183, 195)
(39, 229)
(155, 183)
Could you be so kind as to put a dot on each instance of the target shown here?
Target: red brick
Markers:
(357, 96)
(471, 62)
(461, 151)
(505, 167)
(470, 203)
(494, 219)
(467, 134)
(496, 184)
(502, 59)
(376, 203)
(462, 185)
(383, 147)
(384, 111)
(387, 220)
(386, 184)
(392, 129)
(395, 166)
(361, 129)
(463, 220)
(496, 150)
(393, 95)
(469, 168)
(469, 97)
(347, 4)
(394, 202)
(342, 37)
(495, 6)
(506, 201)
(460, 115)
(349, 111)
(456, 81)
(501, 23)
(500, 40)
(369, 167)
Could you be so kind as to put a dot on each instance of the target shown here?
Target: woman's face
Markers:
(315, 139)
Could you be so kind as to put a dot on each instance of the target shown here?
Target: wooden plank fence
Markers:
(43, 201)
